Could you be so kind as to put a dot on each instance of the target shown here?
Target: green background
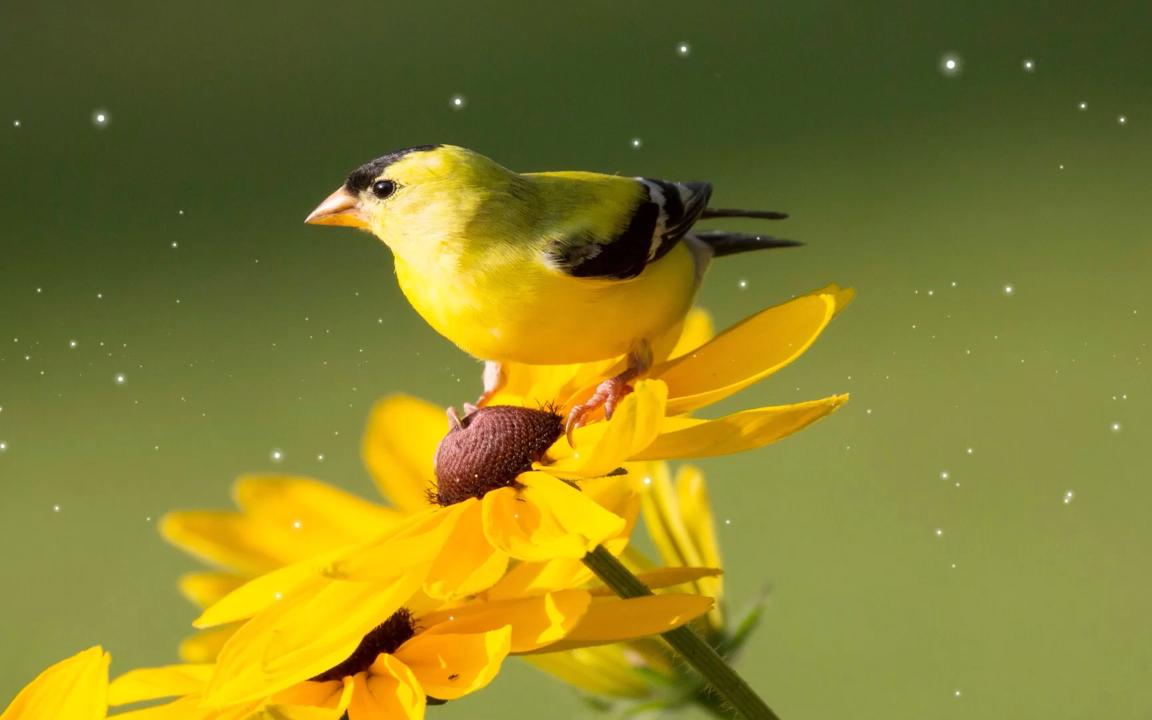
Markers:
(228, 122)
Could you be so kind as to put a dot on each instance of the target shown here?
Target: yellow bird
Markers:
(539, 268)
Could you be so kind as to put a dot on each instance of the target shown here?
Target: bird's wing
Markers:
(665, 213)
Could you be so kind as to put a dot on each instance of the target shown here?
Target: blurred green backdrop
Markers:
(967, 538)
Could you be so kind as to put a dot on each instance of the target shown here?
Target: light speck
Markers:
(1069, 496)
(951, 64)
(121, 378)
(278, 595)
(3, 446)
(944, 475)
(636, 143)
(458, 102)
(72, 344)
(647, 480)
(969, 451)
(180, 212)
(16, 123)
(320, 457)
(1009, 289)
(727, 521)
(1123, 119)
(742, 284)
(938, 532)
(1115, 427)
(277, 455)
(1083, 105)
(100, 118)
(956, 693)
(683, 49)
(297, 524)
(55, 508)
(1029, 65)
(175, 244)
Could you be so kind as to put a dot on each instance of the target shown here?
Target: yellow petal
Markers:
(468, 563)
(223, 538)
(189, 708)
(311, 701)
(204, 646)
(72, 689)
(605, 670)
(525, 530)
(450, 666)
(388, 690)
(683, 437)
(399, 448)
(611, 620)
(602, 447)
(696, 512)
(667, 577)
(535, 578)
(159, 682)
(320, 515)
(574, 510)
(263, 591)
(311, 630)
(748, 351)
(415, 542)
(205, 588)
(535, 621)
(696, 331)
(283, 520)
(537, 385)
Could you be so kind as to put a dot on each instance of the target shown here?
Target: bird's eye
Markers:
(383, 188)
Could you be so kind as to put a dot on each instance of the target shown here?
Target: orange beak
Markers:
(339, 208)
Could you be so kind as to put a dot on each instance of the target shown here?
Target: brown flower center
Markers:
(384, 638)
(489, 448)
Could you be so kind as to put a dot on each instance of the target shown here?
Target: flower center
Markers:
(385, 638)
(489, 448)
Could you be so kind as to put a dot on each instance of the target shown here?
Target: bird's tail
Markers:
(710, 213)
(722, 242)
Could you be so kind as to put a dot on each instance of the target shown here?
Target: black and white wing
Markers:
(663, 216)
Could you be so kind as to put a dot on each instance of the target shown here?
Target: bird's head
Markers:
(418, 194)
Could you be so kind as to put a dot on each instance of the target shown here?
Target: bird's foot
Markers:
(608, 395)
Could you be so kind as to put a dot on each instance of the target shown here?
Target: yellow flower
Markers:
(424, 649)
(511, 489)
(72, 689)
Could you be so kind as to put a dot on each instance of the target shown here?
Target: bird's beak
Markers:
(339, 208)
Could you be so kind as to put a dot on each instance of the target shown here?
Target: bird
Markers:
(541, 268)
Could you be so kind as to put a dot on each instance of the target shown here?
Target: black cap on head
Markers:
(362, 177)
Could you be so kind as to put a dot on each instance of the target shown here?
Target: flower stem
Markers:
(684, 640)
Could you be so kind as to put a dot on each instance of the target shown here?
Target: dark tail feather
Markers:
(729, 243)
(710, 213)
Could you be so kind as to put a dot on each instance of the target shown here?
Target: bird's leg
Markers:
(610, 392)
(494, 379)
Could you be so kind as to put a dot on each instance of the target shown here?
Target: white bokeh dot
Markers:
(951, 64)
(683, 49)
(458, 102)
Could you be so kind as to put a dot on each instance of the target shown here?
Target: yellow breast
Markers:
(519, 309)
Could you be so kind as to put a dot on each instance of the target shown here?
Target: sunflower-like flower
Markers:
(75, 688)
(504, 485)
(293, 652)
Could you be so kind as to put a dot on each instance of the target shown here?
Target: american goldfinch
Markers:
(539, 268)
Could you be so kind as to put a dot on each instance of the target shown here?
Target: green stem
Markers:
(695, 651)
